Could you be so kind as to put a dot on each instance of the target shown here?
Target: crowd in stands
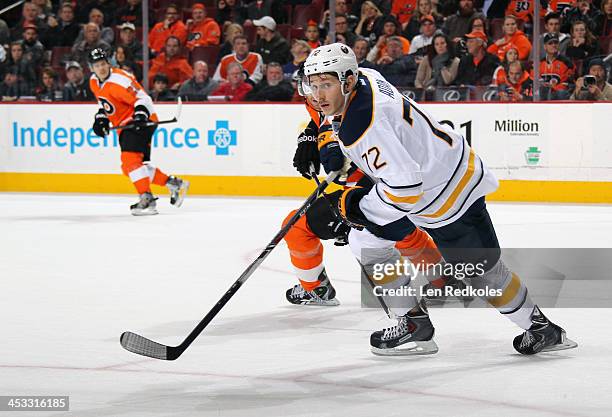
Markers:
(249, 50)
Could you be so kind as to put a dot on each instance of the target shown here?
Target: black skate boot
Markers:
(323, 295)
(146, 206)
(413, 335)
(178, 189)
(542, 336)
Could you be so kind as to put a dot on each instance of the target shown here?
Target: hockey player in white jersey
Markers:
(426, 175)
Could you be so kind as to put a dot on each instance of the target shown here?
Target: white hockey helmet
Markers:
(336, 58)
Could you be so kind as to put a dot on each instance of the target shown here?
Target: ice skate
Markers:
(413, 335)
(323, 295)
(542, 336)
(178, 190)
(146, 206)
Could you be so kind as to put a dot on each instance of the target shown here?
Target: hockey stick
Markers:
(334, 210)
(146, 347)
(179, 107)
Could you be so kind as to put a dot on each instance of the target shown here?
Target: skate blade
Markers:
(147, 212)
(428, 347)
(182, 192)
(564, 345)
(324, 303)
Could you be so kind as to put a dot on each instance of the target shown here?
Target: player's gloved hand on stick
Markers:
(348, 208)
(101, 124)
(141, 117)
(307, 153)
(331, 156)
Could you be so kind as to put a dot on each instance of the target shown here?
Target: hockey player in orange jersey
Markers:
(315, 146)
(123, 101)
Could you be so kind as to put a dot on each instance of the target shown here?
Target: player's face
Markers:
(326, 89)
(313, 102)
(101, 69)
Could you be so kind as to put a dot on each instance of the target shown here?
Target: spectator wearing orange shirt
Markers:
(512, 36)
(169, 62)
(251, 62)
(556, 71)
(170, 26)
(203, 31)
(235, 88)
(403, 10)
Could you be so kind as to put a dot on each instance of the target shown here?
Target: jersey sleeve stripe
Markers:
(412, 199)
(467, 176)
(388, 203)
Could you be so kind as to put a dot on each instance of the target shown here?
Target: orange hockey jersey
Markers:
(253, 64)
(119, 94)
(159, 34)
(205, 33)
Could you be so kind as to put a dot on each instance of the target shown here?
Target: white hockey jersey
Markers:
(421, 169)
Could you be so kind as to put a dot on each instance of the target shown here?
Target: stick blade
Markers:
(145, 347)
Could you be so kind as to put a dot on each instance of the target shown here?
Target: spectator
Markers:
(552, 24)
(603, 23)
(342, 30)
(361, 49)
(49, 89)
(369, 17)
(11, 88)
(521, 9)
(582, 12)
(300, 51)
(260, 8)
(235, 88)
(132, 13)
(127, 40)
(77, 88)
(499, 76)
(439, 67)
(123, 58)
(271, 45)
(172, 64)
(390, 27)
(555, 71)
(397, 68)
(203, 31)
(232, 11)
(517, 86)
(341, 9)
(383, 5)
(159, 88)
(597, 89)
(425, 8)
(29, 16)
(251, 62)
(231, 31)
(458, 25)
(477, 67)
(403, 11)
(33, 50)
(274, 88)
(312, 34)
(200, 86)
(512, 36)
(106, 33)
(170, 26)
(19, 66)
(64, 31)
(91, 40)
(106, 7)
(420, 43)
(45, 8)
(582, 44)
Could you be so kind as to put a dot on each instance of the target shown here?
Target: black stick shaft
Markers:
(255, 264)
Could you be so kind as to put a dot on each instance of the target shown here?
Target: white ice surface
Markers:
(77, 271)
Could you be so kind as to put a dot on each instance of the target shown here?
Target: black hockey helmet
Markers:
(97, 54)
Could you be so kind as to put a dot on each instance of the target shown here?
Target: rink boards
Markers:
(557, 152)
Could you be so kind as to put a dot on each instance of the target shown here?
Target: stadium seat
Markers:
(251, 33)
(58, 55)
(284, 30)
(297, 33)
(303, 13)
(605, 43)
(207, 54)
(288, 12)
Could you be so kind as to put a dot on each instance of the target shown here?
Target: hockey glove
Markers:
(141, 117)
(331, 155)
(307, 152)
(348, 207)
(101, 124)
